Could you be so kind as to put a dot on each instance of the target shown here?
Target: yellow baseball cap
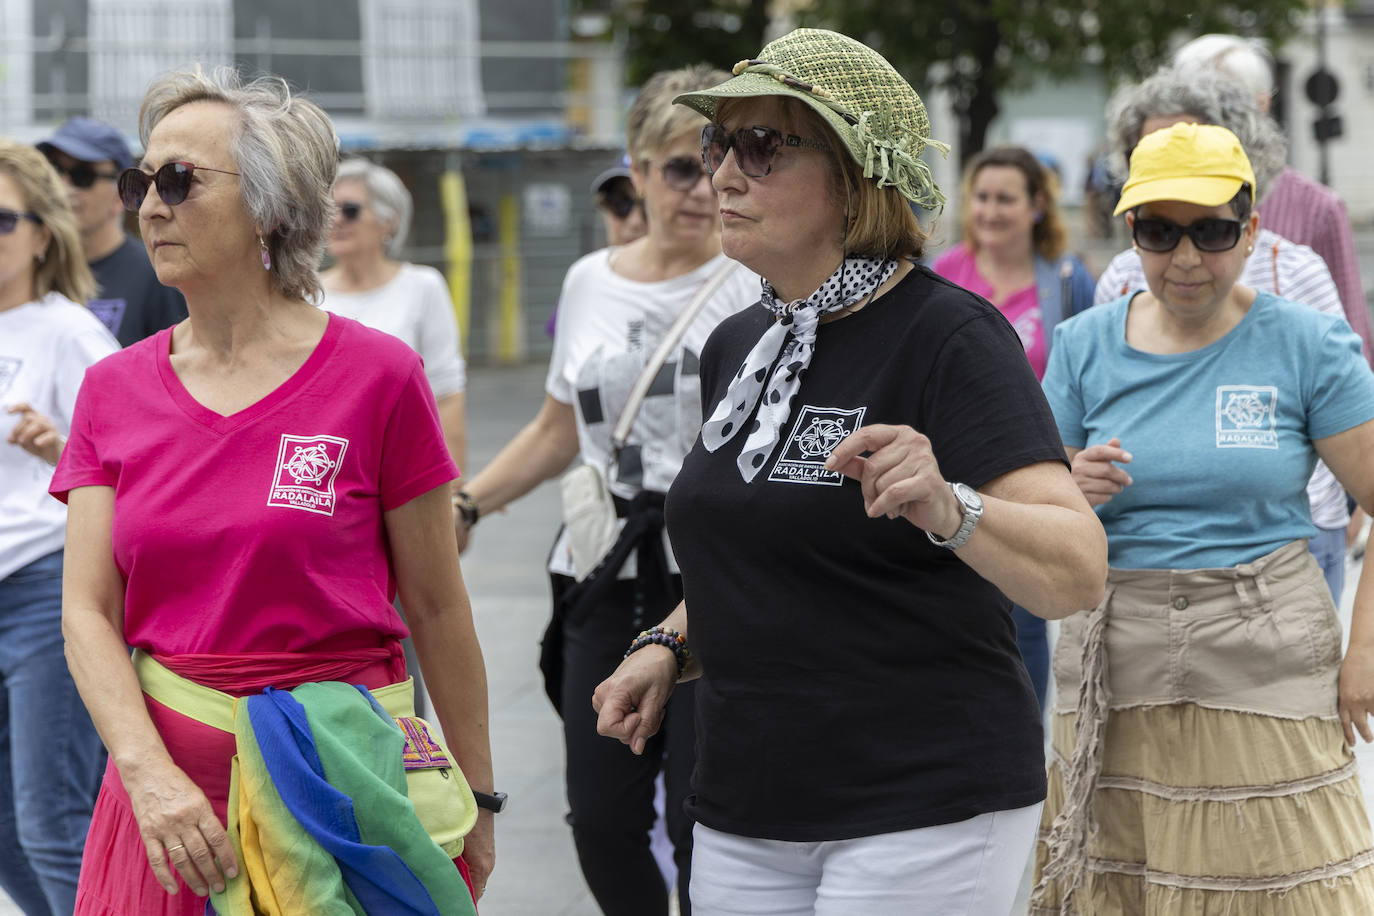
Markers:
(1196, 163)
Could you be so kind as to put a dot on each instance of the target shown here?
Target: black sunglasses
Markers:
(681, 173)
(351, 210)
(82, 175)
(754, 147)
(1161, 235)
(9, 219)
(173, 182)
(617, 203)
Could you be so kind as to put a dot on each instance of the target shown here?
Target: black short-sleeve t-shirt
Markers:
(858, 679)
(130, 301)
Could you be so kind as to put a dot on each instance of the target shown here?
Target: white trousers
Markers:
(972, 868)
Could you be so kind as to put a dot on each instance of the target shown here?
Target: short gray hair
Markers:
(287, 154)
(1221, 102)
(1245, 60)
(386, 195)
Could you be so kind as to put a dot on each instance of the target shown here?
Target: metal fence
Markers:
(391, 62)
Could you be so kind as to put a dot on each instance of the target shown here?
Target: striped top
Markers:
(1310, 213)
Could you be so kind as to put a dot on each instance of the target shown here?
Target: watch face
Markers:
(968, 496)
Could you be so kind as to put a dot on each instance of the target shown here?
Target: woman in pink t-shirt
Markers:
(248, 491)
(1013, 256)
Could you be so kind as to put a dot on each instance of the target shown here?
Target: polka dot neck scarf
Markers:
(787, 347)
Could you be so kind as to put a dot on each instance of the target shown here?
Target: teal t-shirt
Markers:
(1221, 437)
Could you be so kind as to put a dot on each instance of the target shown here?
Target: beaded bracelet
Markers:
(669, 639)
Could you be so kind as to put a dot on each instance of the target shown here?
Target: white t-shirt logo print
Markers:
(9, 371)
(820, 438)
(814, 435)
(305, 472)
(1245, 416)
(310, 462)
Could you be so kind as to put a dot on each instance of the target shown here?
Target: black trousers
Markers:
(611, 790)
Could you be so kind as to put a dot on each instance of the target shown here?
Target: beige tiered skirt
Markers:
(1212, 776)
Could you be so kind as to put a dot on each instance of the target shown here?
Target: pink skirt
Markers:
(116, 879)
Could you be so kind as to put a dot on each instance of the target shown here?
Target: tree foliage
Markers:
(978, 48)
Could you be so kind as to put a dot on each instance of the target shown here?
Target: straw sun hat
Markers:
(868, 105)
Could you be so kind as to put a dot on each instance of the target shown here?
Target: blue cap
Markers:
(616, 171)
(90, 141)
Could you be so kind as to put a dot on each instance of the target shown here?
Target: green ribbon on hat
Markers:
(893, 164)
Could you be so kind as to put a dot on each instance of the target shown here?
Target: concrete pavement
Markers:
(536, 872)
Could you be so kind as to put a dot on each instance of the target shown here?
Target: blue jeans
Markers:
(50, 755)
(1034, 644)
(1329, 549)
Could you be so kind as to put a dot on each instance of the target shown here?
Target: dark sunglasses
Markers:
(681, 173)
(351, 210)
(754, 147)
(1161, 235)
(618, 204)
(173, 182)
(9, 219)
(82, 175)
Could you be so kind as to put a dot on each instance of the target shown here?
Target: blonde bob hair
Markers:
(653, 121)
(881, 222)
(63, 267)
(287, 155)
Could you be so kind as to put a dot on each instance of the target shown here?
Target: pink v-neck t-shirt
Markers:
(1021, 308)
(261, 531)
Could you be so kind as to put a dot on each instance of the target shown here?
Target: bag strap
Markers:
(217, 709)
(670, 341)
(1050, 295)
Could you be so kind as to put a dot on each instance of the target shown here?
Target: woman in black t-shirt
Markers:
(868, 740)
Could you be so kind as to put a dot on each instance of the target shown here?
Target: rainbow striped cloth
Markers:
(319, 814)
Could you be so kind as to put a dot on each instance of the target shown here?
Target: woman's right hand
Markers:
(631, 702)
(177, 824)
(1097, 476)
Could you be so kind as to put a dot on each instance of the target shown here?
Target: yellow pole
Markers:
(453, 197)
(509, 328)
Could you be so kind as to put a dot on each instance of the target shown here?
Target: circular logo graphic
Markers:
(309, 462)
(1246, 410)
(820, 438)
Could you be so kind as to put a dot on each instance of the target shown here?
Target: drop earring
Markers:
(266, 256)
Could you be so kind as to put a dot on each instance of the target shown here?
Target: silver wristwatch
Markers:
(973, 510)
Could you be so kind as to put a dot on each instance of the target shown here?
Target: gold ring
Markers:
(177, 846)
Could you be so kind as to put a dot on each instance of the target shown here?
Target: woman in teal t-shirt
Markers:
(1202, 704)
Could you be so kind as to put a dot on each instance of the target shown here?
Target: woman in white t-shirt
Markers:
(50, 757)
(617, 304)
(369, 283)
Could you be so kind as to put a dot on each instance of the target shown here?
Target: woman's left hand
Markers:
(35, 434)
(900, 477)
(479, 851)
(1356, 694)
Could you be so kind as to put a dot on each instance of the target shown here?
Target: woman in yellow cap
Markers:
(868, 739)
(1202, 702)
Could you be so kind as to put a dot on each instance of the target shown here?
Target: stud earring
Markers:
(266, 256)
(1249, 249)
